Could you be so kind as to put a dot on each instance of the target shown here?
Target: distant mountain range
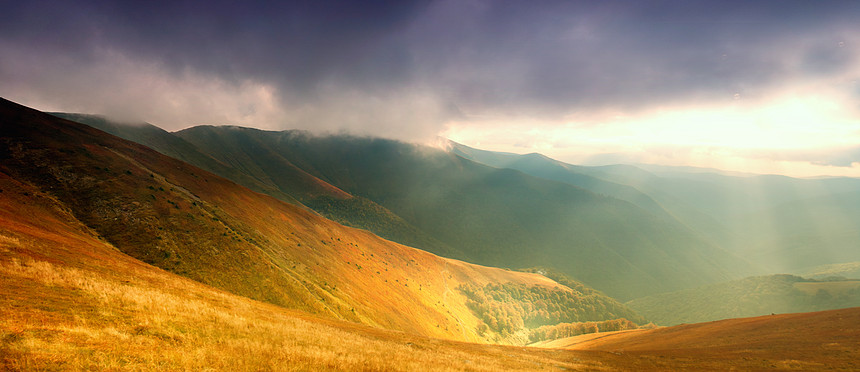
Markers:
(114, 255)
(617, 239)
(188, 221)
(624, 230)
(779, 224)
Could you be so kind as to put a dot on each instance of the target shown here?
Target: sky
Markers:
(755, 86)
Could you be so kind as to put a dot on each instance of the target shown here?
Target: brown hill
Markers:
(805, 341)
(71, 301)
(185, 220)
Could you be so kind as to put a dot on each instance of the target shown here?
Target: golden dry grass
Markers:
(86, 320)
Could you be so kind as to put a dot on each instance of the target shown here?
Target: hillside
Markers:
(780, 224)
(827, 340)
(253, 165)
(541, 166)
(71, 301)
(190, 222)
(752, 296)
(497, 217)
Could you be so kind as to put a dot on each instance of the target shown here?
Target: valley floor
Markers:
(827, 340)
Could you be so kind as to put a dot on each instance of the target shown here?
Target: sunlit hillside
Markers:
(71, 301)
(116, 257)
(198, 225)
(827, 340)
(496, 217)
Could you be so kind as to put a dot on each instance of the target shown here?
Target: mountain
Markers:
(70, 300)
(843, 270)
(796, 235)
(747, 297)
(100, 239)
(806, 341)
(778, 223)
(263, 170)
(496, 217)
(764, 218)
(188, 221)
(544, 167)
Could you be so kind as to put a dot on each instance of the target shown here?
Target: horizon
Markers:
(766, 87)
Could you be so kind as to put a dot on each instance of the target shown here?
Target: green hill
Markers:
(497, 217)
(252, 165)
(753, 296)
(541, 166)
(182, 219)
(780, 224)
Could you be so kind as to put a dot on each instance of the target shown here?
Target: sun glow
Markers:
(792, 135)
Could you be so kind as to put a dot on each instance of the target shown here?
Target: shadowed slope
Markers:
(70, 301)
(500, 217)
(253, 164)
(541, 166)
(193, 223)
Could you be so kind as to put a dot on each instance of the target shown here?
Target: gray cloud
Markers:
(403, 68)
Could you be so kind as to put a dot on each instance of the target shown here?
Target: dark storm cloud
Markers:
(536, 58)
(296, 43)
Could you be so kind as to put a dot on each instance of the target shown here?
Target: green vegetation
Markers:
(754, 296)
(509, 308)
(563, 330)
(487, 215)
(364, 214)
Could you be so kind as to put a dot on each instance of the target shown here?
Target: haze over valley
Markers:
(440, 185)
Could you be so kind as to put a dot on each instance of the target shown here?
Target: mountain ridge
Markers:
(191, 222)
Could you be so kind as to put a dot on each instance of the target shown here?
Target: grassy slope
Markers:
(198, 225)
(177, 148)
(828, 340)
(748, 297)
(70, 301)
(252, 164)
(501, 217)
(188, 221)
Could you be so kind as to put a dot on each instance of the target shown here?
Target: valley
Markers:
(115, 256)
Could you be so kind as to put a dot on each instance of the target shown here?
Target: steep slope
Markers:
(193, 223)
(177, 148)
(498, 217)
(747, 297)
(827, 340)
(71, 301)
(252, 164)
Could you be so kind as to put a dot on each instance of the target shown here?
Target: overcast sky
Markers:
(762, 86)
